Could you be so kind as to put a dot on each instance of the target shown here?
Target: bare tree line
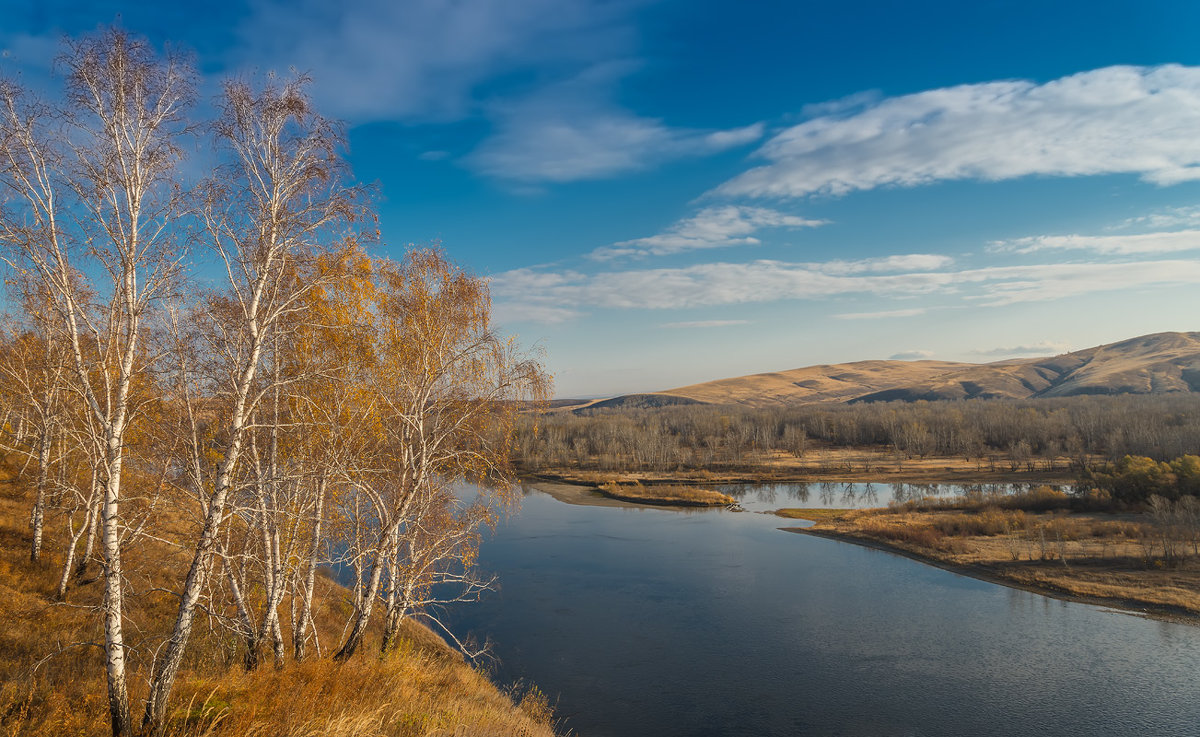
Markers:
(1016, 433)
(219, 367)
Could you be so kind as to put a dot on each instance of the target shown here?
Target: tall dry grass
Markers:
(52, 675)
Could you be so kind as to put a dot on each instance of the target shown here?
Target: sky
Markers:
(674, 191)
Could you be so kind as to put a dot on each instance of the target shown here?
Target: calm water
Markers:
(850, 495)
(655, 622)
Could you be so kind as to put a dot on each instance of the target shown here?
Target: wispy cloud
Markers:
(902, 262)
(571, 131)
(911, 355)
(705, 323)
(712, 227)
(1044, 348)
(505, 313)
(1171, 217)
(881, 315)
(425, 59)
(767, 281)
(1141, 243)
(1139, 120)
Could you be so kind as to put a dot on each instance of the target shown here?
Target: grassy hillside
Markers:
(1161, 363)
(52, 677)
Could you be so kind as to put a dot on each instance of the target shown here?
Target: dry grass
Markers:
(834, 463)
(1115, 557)
(667, 495)
(419, 689)
(52, 677)
(815, 515)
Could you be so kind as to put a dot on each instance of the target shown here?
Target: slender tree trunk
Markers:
(61, 592)
(38, 521)
(249, 634)
(364, 610)
(114, 640)
(168, 667)
(300, 631)
(90, 546)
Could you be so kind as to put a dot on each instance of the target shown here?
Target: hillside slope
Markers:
(52, 681)
(1150, 364)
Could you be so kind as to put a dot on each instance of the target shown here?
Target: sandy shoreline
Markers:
(984, 573)
(579, 495)
(586, 495)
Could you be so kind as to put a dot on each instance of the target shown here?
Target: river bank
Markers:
(1106, 560)
(837, 465)
(52, 678)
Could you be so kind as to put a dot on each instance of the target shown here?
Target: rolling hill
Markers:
(1151, 364)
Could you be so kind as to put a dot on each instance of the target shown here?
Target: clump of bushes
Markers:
(989, 522)
(1134, 479)
(915, 534)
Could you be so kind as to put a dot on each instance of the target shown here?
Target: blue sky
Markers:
(669, 192)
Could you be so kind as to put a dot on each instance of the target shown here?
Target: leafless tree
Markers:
(95, 193)
(265, 216)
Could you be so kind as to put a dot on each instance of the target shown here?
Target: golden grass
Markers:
(1088, 555)
(834, 463)
(421, 688)
(52, 676)
(815, 515)
(669, 495)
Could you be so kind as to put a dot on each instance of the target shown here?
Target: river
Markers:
(657, 622)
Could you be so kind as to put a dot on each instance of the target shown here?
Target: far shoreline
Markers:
(1148, 610)
(581, 493)
(697, 478)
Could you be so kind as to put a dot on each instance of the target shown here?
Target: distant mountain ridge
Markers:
(1160, 363)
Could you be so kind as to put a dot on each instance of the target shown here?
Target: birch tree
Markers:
(265, 216)
(93, 190)
(448, 390)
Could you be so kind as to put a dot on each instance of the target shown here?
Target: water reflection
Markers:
(653, 622)
(853, 495)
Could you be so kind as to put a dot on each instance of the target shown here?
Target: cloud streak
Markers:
(712, 227)
(881, 315)
(1123, 245)
(425, 59)
(1044, 348)
(713, 284)
(704, 323)
(571, 131)
(1123, 119)
(911, 356)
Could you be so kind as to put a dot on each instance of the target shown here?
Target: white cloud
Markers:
(1043, 348)
(532, 147)
(1139, 120)
(505, 313)
(1172, 217)
(570, 131)
(704, 323)
(713, 284)
(902, 262)
(712, 227)
(1166, 242)
(911, 356)
(881, 315)
(425, 59)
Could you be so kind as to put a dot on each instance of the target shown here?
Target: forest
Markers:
(1075, 432)
(214, 390)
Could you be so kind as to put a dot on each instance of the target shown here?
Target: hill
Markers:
(1160, 363)
(52, 678)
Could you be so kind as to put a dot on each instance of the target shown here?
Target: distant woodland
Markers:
(1011, 434)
